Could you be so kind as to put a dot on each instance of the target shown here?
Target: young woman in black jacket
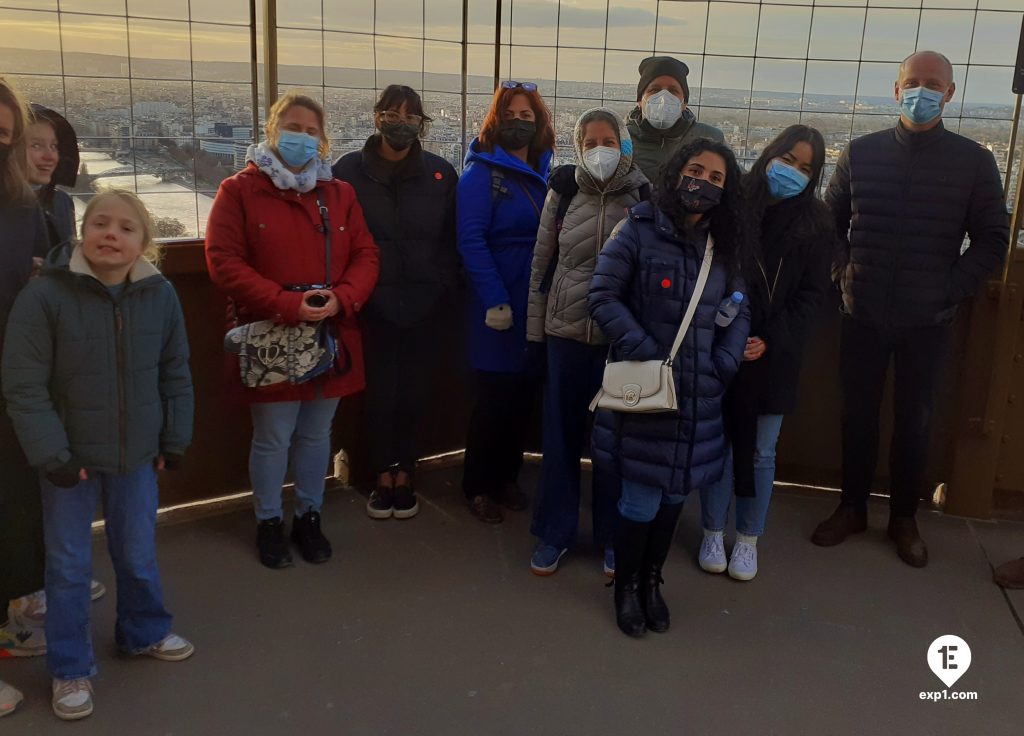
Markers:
(408, 199)
(786, 282)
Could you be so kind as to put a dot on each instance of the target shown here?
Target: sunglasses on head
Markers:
(527, 86)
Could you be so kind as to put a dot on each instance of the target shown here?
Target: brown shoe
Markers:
(513, 498)
(486, 509)
(909, 545)
(1010, 574)
(843, 522)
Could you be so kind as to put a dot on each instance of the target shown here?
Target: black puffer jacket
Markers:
(907, 200)
(410, 209)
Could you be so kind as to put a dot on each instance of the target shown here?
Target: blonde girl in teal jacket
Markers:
(96, 378)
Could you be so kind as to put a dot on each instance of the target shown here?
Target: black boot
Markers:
(659, 541)
(311, 541)
(272, 544)
(630, 542)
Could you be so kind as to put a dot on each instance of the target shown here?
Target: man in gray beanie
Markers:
(661, 123)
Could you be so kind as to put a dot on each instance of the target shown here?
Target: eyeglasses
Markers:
(390, 116)
(526, 86)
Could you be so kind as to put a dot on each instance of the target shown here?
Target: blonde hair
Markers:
(14, 186)
(151, 250)
(283, 105)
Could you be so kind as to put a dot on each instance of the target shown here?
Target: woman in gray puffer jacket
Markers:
(602, 187)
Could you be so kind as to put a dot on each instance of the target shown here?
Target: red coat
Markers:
(259, 238)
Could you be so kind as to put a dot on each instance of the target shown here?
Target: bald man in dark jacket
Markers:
(907, 196)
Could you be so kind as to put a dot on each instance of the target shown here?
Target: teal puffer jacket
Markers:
(104, 379)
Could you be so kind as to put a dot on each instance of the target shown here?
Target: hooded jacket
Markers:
(652, 148)
(593, 213)
(497, 220)
(645, 277)
(100, 377)
(409, 207)
(58, 205)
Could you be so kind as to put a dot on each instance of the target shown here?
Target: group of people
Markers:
(653, 227)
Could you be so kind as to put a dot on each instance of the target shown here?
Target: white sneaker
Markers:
(743, 562)
(72, 699)
(29, 611)
(22, 641)
(9, 699)
(172, 648)
(712, 552)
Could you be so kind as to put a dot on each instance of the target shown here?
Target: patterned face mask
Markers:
(697, 195)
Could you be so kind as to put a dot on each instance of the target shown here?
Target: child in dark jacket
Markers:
(96, 378)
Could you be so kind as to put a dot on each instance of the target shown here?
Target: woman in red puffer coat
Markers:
(265, 248)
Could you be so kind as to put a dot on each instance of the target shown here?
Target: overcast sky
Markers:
(631, 29)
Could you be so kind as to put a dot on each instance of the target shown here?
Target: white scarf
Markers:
(267, 161)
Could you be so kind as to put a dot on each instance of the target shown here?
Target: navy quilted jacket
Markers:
(643, 282)
(907, 200)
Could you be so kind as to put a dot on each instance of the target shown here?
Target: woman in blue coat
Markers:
(645, 277)
(498, 205)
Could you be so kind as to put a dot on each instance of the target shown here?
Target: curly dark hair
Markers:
(729, 224)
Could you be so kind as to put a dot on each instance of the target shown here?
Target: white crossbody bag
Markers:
(646, 386)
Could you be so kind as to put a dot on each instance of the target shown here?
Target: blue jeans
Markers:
(301, 429)
(751, 511)
(640, 503)
(129, 507)
(574, 375)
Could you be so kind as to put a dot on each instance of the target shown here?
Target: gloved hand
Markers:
(67, 475)
(172, 461)
(499, 317)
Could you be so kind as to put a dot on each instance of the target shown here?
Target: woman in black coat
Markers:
(408, 199)
(787, 281)
(22, 236)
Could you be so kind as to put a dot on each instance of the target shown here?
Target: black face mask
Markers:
(516, 134)
(399, 135)
(5, 153)
(697, 195)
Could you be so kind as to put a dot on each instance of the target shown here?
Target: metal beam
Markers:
(254, 71)
(269, 53)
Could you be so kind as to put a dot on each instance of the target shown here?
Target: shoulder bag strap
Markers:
(698, 291)
(326, 220)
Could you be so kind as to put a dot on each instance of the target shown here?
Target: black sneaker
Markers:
(273, 547)
(381, 504)
(406, 505)
(310, 540)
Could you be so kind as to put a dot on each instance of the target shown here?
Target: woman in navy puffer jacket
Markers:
(645, 277)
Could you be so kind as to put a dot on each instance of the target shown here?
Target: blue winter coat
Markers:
(497, 229)
(643, 282)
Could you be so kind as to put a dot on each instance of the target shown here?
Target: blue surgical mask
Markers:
(662, 109)
(784, 181)
(297, 149)
(921, 105)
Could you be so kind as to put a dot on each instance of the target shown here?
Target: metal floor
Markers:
(436, 626)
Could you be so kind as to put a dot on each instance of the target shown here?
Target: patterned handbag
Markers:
(270, 353)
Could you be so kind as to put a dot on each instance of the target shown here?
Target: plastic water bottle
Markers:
(728, 309)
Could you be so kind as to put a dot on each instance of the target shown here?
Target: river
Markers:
(164, 199)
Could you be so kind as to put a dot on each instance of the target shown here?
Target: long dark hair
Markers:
(814, 219)
(728, 219)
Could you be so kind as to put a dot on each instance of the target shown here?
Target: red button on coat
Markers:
(665, 284)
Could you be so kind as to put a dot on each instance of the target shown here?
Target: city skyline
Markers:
(161, 90)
